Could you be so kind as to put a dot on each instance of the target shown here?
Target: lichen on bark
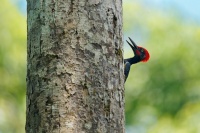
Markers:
(75, 67)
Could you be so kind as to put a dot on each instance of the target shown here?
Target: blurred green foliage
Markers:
(12, 69)
(163, 95)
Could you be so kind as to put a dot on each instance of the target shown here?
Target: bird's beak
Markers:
(132, 44)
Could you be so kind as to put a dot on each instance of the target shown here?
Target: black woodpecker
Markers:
(140, 55)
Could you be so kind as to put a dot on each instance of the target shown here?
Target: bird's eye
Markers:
(142, 50)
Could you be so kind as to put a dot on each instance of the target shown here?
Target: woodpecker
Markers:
(140, 55)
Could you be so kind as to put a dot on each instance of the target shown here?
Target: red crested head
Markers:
(144, 54)
(140, 53)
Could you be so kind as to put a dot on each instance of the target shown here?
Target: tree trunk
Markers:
(75, 81)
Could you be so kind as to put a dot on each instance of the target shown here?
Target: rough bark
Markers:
(75, 67)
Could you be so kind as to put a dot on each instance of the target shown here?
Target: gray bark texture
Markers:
(75, 81)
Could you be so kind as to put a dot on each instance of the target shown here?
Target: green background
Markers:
(162, 95)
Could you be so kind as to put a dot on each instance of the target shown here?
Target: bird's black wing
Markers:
(127, 67)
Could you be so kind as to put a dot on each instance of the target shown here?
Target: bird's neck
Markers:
(134, 60)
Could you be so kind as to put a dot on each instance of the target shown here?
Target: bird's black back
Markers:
(127, 67)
